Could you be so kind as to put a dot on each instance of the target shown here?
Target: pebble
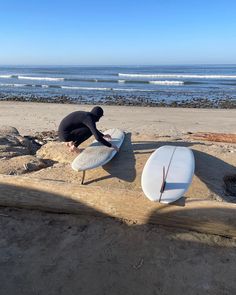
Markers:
(131, 100)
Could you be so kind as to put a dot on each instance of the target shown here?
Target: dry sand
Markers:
(42, 253)
(31, 117)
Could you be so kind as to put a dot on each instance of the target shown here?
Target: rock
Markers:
(22, 164)
(8, 130)
(171, 100)
(12, 144)
(31, 145)
(56, 151)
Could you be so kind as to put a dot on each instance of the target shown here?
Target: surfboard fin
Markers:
(83, 177)
(163, 182)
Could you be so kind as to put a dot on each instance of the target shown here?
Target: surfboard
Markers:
(168, 173)
(97, 154)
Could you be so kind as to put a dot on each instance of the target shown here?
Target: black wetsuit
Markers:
(79, 126)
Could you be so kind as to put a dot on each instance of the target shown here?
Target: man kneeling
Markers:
(79, 126)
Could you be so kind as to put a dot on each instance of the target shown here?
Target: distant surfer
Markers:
(78, 126)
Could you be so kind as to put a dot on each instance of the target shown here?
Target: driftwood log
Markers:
(217, 137)
(54, 196)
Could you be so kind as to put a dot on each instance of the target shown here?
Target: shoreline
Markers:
(119, 100)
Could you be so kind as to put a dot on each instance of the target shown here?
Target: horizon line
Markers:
(114, 65)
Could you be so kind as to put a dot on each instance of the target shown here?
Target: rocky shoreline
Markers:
(132, 100)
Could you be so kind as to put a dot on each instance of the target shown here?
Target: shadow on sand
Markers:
(44, 253)
(211, 170)
(122, 166)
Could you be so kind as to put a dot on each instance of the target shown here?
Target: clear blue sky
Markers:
(117, 32)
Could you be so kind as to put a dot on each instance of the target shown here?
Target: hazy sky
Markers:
(118, 32)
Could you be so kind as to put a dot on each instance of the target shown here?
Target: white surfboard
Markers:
(168, 173)
(98, 154)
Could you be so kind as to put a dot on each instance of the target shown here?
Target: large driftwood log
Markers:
(217, 137)
(196, 214)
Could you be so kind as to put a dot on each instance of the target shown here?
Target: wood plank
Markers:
(217, 137)
(54, 196)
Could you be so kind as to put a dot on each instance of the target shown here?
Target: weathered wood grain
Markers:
(195, 214)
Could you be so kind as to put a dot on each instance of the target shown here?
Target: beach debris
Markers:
(41, 138)
(217, 137)
(25, 166)
(45, 136)
(30, 144)
(11, 172)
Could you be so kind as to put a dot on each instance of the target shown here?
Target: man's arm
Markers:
(97, 134)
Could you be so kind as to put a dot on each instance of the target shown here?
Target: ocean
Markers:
(152, 83)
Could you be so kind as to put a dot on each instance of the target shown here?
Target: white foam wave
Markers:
(6, 76)
(12, 85)
(40, 78)
(79, 88)
(85, 88)
(105, 89)
(132, 90)
(121, 81)
(178, 76)
(167, 82)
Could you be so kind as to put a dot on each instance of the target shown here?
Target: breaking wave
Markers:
(167, 82)
(178, 76)
(40, 78)
(13, 85)
(85, 88)
(6, 76)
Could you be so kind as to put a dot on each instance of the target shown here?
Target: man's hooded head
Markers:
(97, 112)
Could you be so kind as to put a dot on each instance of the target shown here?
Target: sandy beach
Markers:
(154, 211)
(31, 117)
(50, 253)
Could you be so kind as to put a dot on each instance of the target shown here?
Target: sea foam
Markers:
(174, 83)
(12, 85)
(178, 76)
(6, 76)
(85, 88)
(40, 78)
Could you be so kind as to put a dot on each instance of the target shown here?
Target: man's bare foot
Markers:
(69, 144)
(75, 149)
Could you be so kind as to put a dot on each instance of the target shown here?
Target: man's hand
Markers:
(115, 148)
(108, 136)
